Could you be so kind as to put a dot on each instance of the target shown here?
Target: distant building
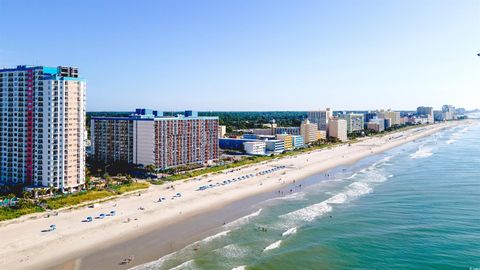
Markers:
(250, 136)
(426, 112)
(368, 116)
(288, 130)
(461, 111)
(354, 122)
(269, 125)
(309, 131)
(42, 127)
(449, 112)
(320, 118)
(389, 114)
(233, 143)
(147, 139)
(377, 125)
(274, 146)
(439, 116)
(222, 130)
(287, 140)
(337, 128)
(387, 122)
(254, 147)
(262, 131)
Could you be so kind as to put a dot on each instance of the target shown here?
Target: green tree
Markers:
(27, 195)
(150, 168)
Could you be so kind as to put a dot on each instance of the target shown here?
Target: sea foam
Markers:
(218, 235)
(186, 265)
(273, 246)
(422, 152)
(232, 251)
(290, 231)
(309, 213)
(244, 219)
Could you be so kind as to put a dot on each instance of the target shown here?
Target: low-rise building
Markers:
(287, 140)
(233, 143)
(254, 147)
(275, 146)
(297, 141)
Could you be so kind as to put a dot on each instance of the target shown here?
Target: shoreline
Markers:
(74, 239)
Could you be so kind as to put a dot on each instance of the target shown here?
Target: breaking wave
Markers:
(244, 219)
(290, 231)
(273, 246)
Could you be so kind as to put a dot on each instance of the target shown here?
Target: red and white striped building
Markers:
(42, 127)
(162, 141)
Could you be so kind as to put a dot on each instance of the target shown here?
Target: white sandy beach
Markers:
(23, 245)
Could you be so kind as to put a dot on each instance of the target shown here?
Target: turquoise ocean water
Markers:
(413, 207)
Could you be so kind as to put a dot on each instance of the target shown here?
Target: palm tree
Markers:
(27, 195)
(108, 179)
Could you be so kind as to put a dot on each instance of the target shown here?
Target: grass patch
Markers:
(157, 182)
(77, 198)
(92, 195)
(130, 187)
(7, 213)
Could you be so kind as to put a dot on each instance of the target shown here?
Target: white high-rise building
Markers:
(42, 127)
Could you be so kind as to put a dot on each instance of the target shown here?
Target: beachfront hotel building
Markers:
(389, 114)
(42, 127)
(287, 140)
(297, 141)
(355, 122)
(274, 146)
(148, 138)
(320, 118)
(310, 132)
(426, 112)
(337, 128)
(255, 147)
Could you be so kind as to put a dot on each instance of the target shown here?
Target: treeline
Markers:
(233, 120)
(246, 120)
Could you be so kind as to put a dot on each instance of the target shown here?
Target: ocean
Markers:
(414, 207)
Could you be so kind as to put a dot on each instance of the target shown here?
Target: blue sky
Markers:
(254, 54)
